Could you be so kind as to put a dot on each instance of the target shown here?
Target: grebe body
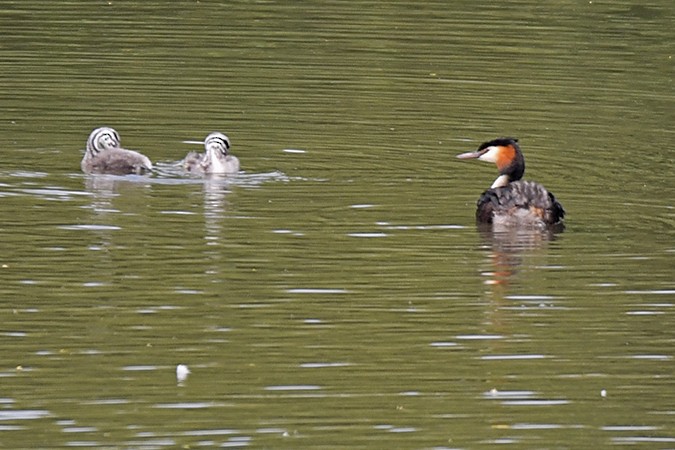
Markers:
(216, 158)
(510, 201)
(103, 155)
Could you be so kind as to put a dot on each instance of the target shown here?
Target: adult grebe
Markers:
(104, 155)
(510, 202)
(215, 159)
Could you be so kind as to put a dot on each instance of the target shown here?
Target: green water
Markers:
(337, 293)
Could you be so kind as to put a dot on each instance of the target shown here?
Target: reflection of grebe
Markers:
(216, 158)
(104, 155)
(510, 202)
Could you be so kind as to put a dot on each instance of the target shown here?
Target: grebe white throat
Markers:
(501, 181)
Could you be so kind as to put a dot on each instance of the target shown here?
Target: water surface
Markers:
(337, 292)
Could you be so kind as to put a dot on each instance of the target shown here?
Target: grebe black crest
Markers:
(511, 201)
(215, 159)
(103, 155)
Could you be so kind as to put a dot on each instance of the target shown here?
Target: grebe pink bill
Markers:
(216, 158)
(103, 155)
(510, 201)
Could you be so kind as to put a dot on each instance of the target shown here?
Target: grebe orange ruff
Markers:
(510, 201)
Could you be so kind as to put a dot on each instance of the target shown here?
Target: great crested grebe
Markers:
(216, 158)
(103, 154)
(511, 201)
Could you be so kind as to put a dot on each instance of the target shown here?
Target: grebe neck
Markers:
(501, 181)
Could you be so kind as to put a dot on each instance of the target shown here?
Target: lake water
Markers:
(336, 293)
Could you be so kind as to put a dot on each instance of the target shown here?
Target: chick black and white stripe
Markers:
(216, 158)
(103, 155)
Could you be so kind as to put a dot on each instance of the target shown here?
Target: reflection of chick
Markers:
(215, 159)
(104, 155)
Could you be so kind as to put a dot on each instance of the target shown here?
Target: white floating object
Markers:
(182, 372)
(367, 235)
(603, 393)
(293, 150)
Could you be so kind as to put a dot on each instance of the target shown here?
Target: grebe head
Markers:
(506, 154)
(104, 138)
(217, 144)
